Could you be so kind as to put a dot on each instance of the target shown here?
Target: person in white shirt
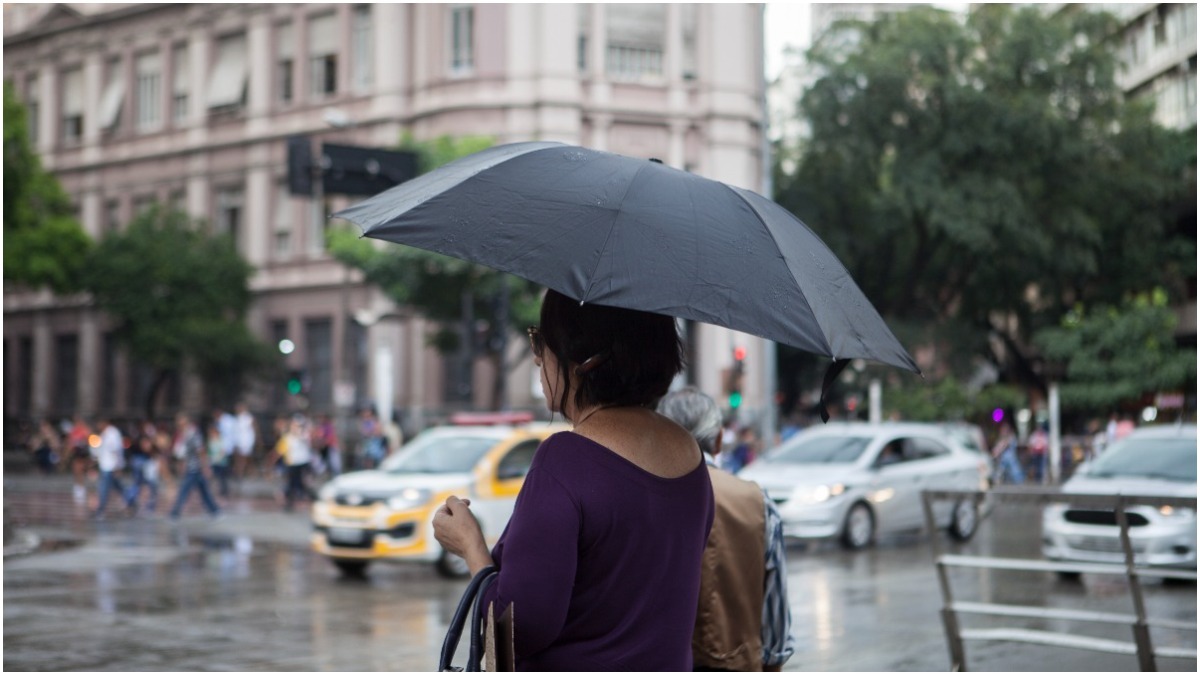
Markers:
(298, 459)
(245, 440)
(110, 456)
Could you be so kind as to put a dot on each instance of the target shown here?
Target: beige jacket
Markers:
(728, 632)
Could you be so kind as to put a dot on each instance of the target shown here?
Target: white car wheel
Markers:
(965, 520)
(859, 529)
(452, 566)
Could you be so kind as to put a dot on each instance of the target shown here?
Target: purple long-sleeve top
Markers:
(602, 561)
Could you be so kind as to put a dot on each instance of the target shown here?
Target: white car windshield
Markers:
(1171, 459)
(439, 454)
(821, 450)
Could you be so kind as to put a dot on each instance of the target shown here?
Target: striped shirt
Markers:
(778, 643)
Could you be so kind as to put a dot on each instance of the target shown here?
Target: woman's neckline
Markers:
(625, 460)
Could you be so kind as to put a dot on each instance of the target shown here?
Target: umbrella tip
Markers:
(656, 160)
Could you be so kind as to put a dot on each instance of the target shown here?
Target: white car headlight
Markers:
(818, 494)
(408, 498)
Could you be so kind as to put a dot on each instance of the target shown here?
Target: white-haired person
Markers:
(743, 622)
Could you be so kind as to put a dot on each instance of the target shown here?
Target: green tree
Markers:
(980, 178)
(179, 298)
(43, 243)
(458, 295)
(1113, 356)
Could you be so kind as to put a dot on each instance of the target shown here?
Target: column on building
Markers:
(258, 66)
(558, 90)
(50, 98)
(89, 399)
(391, 58)
(43, 346)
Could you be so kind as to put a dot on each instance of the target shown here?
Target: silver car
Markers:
(854, 480)
(1154, 461)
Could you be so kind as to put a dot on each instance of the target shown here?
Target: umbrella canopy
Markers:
(614, 230)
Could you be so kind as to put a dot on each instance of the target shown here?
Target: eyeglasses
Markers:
(536, 342)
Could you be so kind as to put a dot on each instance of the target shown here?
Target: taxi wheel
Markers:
(965, 520)
(352, 568)
(452, 566)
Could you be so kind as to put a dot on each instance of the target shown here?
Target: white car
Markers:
(855, 480)
(1153, 461)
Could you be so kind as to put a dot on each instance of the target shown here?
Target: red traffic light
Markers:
(739, 353)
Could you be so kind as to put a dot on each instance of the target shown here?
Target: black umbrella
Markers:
(614, 230)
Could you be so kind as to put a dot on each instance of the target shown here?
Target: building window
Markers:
(66, 372)
(108, 370)
(285, 63)
(177, 201)
(316, 233)
(24, 374)
(462, 38)
(363, 43)
(114, 96)
(228, 220)
(318, 350)
(148, 92)
(142, 204)
(635, 41)
(112, 215)
(322, 56)
(283, 222)
(141, 377)
(279, 333)
(72, 106)
(227, 83)
(33, 104)
(180, 84)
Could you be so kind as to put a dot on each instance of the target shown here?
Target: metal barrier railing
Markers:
(1141, 646)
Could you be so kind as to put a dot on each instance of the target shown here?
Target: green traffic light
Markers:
(735, 399)
(293, 386)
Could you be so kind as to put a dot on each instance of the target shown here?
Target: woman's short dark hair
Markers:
(634, 355)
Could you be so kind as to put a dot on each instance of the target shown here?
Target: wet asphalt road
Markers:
(244, 593)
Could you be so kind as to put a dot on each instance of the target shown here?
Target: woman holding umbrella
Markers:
(601, 559)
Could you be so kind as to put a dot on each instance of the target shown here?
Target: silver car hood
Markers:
(783, 478)
(1128, 485)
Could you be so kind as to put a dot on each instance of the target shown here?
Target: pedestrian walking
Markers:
(218, 458)
(189, 448)
(1039, 443)
(78, 444)
(743, 621)
(371, 449)
(246, 436)
(298, 458)
(325, 439)
(110, 457)
(227, 425)
(143, 467)
(45, 444)
(1008, 466)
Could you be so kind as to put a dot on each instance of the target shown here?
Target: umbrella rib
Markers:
(828, 342)
(611, 228)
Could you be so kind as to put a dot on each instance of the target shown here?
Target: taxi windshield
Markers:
(439, 454)
(820, 450)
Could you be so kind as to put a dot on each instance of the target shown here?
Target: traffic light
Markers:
(295, 382)
(735, 377)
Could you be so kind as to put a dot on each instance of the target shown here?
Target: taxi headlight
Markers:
(1176, 512)
(408, 498)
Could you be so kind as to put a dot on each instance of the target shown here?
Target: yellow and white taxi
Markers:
(387, 513)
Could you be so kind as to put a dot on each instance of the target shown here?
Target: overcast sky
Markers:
(787, 23)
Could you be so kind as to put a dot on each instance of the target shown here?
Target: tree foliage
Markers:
(43, 243)
(990, 175)
(441, 287)
(179, 298)
(1117, 354)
